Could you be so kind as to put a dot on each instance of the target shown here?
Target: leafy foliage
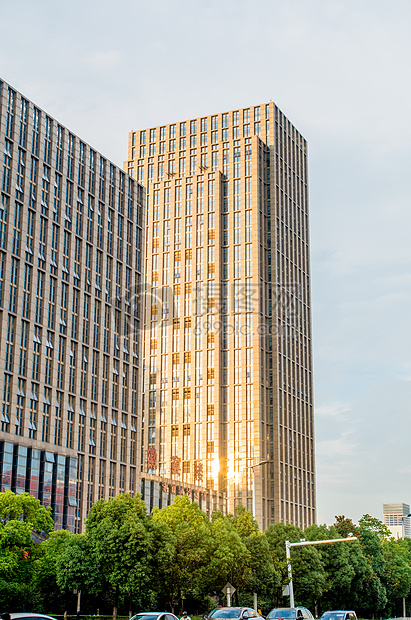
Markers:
(190, 539)
(125, 543)
(178, 557)
(25, 507)
(19, 515)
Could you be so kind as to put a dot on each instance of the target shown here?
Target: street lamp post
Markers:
(252, 467)
(403, 536)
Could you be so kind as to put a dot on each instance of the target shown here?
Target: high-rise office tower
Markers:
(70, 259)
(396, 518)
(228, 402)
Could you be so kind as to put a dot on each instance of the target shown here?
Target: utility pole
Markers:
(303, 543)
(403, 537)
(253, 469)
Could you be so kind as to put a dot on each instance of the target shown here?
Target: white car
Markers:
(28, 616)
(154, 615)
(339, 614)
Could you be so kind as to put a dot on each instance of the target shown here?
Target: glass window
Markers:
(226, 613)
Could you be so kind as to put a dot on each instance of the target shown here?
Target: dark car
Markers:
(154, 615)
(339, 614)
(233, 613)
(290, 613)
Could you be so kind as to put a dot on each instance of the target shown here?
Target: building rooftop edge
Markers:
(193, 118)
(4, 82)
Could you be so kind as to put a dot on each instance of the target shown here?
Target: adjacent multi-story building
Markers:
(71, 226)
(396, 518)
(228, 403)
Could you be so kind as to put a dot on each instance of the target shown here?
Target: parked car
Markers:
(339, 614)
(29, 616)
(154, 615)
(233, 613)
(290, 613)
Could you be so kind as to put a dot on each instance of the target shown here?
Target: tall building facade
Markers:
(71, 226)
(228, 403)
(396, 518)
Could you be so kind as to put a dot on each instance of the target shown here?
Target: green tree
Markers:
(229, 558)
(77, 566)
(335, 558)
(345, 527)
(389, 561)
(124, 542)
(20, 515)
(371, 534)
(265, 577)
(45, 579)
(397, 571)
(350, 578)
(190, 532)
(367, 522)
(244, 522)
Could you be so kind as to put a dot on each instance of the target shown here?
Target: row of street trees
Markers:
(176, 556)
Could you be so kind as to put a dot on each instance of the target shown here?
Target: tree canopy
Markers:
(177, 556)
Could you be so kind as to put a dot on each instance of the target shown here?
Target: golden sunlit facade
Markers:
(228, 411)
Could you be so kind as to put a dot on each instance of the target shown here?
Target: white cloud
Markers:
(332, 410)
(334, 452)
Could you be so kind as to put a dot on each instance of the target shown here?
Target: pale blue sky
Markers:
(339, 69)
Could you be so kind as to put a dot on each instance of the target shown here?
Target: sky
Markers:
(339, 69)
